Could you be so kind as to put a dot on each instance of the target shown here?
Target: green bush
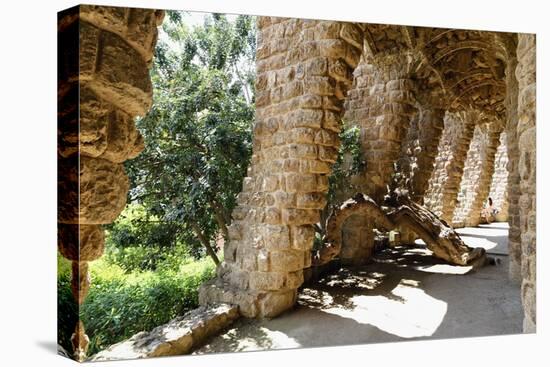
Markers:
(121, 304)
(67, 309)
(143, 258)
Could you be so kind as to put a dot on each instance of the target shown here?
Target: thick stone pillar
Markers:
(514, 232)
(104, 55)
(478, 172)
(499, 183)
(382, 104)
(526, 133)
(357, 231)
(444, 184)
(391, 105)
(304, 69)
(420, 150)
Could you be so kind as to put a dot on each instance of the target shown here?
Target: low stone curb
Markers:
(177, 337)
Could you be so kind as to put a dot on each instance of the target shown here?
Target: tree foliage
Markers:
(197, 133)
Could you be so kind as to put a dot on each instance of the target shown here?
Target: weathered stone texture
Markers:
(419, 150)
(400, 211)
(478, 172)
(526, 133)
(179, 336)
(103, 84)
(417, 95)
(357, 241)
(80, 242)
(304, 69)
(92, 192)
(442, 194)
(499, 184)
(513, 190)
(382, 103)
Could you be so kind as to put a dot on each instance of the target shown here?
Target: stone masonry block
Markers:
(102, 185)
(302, 151)
(301, 182)
(274, 237)
(80, 242)
(272, 304)
(267, 281)
(311, 200)
(303, 118)
(286, 261)
(300, 216)
(302, 237)
(116, 72)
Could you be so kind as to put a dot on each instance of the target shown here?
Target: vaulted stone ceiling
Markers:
(457, 69)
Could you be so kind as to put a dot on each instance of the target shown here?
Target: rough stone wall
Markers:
(419, 150)
(526, 132)
(499, 184)
(476, 179)
(444, 184)
(103, 83)
(304, 69)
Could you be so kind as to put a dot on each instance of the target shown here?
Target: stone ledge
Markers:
(177, 337)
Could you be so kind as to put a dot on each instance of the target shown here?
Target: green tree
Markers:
(198, 131)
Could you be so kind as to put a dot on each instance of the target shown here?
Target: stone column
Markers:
(499, 183)
(357, 231)
(478, 172)
(419, 151)
(382, 104)
(514, 232)
(526, 133)
(304, 69)
(384, 125)
(442, 193)
(104, 55)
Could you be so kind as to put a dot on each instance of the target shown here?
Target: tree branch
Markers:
(202, 238)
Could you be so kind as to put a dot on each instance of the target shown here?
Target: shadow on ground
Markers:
(404, 294)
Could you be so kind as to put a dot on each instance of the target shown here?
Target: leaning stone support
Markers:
(442, 193)
(418, 153)
(304, 69)
(400, 211)
(419, 150)
(478, 172)
(526, 134)
(103, 83)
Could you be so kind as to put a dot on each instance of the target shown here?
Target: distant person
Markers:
(489, 211)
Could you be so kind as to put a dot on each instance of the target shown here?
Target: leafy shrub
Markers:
(142, 258)
(121, 304)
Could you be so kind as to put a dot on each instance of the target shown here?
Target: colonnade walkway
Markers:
(404, 294)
